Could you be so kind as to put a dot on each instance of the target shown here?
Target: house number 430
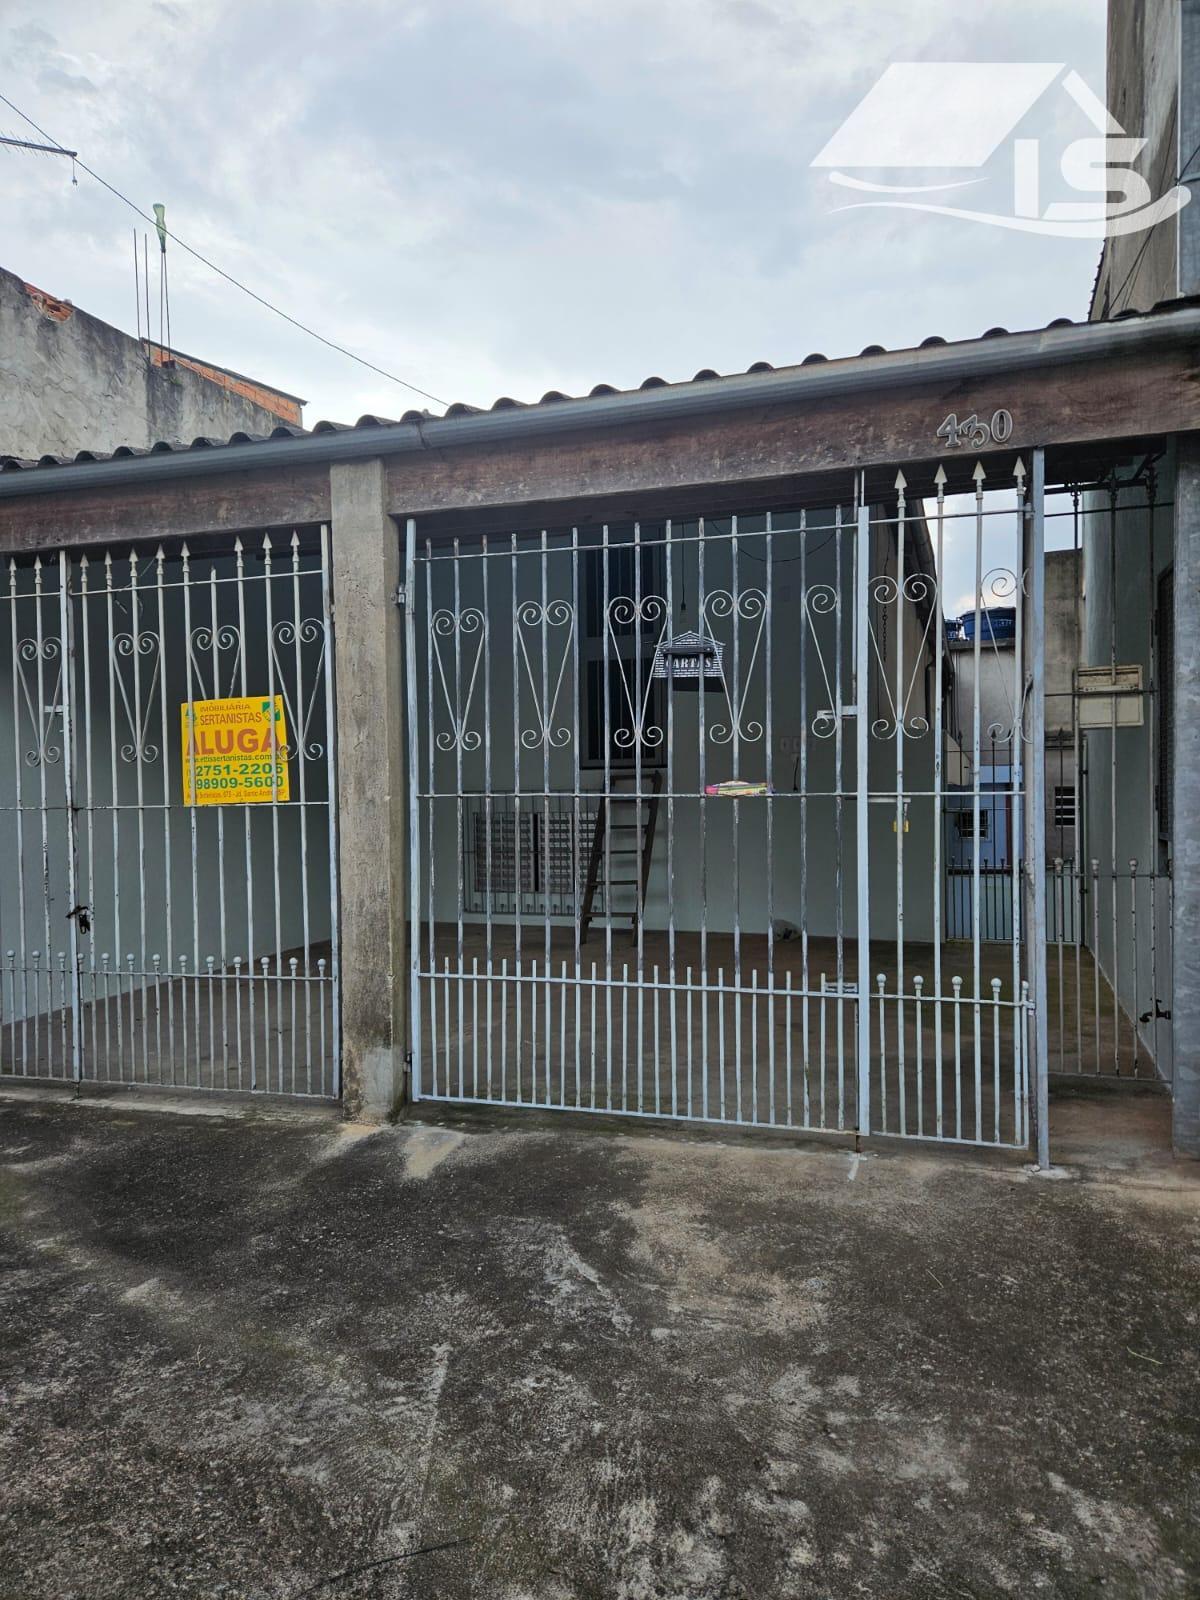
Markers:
(974, 431)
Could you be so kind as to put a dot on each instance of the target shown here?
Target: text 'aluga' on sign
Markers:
(234, 751)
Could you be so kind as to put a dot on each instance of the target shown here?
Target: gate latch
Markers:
(83, 916)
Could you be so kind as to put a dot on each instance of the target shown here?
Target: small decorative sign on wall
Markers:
(689, 658)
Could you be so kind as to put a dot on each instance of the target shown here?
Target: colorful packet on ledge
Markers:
(737, 789)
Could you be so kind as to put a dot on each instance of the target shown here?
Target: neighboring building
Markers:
(1000, 674)
(1000, 680)
(69, 382)
(1148, 40)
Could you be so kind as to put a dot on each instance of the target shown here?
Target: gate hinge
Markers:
(402, 597)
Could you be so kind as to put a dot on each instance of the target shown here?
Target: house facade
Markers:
(603, 749)
(607, 755)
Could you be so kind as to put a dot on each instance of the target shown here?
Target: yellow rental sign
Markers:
(234, 751)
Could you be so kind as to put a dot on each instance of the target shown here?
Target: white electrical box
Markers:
(1107, 696)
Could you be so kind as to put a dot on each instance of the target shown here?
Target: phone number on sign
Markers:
(256, 775)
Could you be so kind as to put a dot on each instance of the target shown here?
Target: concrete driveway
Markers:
(266, 1355)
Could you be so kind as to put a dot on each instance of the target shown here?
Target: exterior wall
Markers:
(70, 382)
(280, 406)
(1137, 272)
(999, 693)
(1063, 617)
(999, 675)
(1185, 974)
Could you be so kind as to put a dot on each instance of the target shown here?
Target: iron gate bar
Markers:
(862, 591)
(68, 649)
(1035, 799)
(901, 819)
(1152, 737)
(976, 757)
(331, 1047)
(1019, 774)
(1112, 768)
(415, 1031)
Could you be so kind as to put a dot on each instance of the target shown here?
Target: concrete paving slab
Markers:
(268, 1356)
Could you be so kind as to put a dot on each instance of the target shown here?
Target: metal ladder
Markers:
(621, 824)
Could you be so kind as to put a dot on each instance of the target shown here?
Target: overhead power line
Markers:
(220, 271)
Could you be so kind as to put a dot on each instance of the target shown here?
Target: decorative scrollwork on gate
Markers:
(916, 589)
(299, 706)
(625, 612)
(748, 606)
(43, 753)
(207, 645)
(1002, 583)
(532, 617)
(137, 700)
(821, 600)
(446, 624)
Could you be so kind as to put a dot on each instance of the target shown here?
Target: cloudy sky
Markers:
(505, 196)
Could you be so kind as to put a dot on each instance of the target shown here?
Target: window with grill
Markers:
(964, 821)
(529, 852)
(1064, 805)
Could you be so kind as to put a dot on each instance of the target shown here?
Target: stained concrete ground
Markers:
(269, 1355)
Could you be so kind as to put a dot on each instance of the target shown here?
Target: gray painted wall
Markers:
(1064, 606)
(77, 383)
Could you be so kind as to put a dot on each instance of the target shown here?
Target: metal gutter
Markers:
(977, 358)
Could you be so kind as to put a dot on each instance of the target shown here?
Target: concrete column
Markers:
(371, 790)
(1185, 1002)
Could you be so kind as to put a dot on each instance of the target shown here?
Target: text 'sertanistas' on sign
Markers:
(234, 751)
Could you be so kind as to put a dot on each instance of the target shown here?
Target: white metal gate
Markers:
(168, 899)
(675, 809)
